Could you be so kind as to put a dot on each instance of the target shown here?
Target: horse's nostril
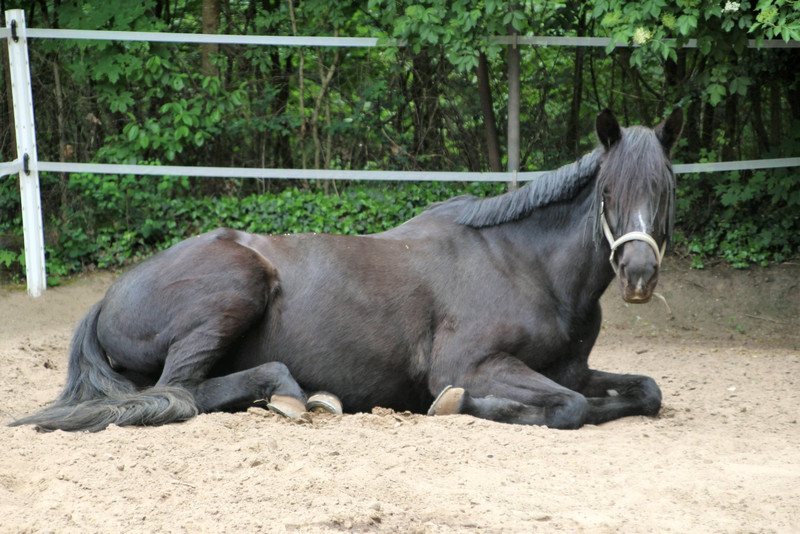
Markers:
(640, 277)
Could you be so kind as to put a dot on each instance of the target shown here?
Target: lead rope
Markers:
(632, 236)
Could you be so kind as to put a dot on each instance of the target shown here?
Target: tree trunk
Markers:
(707, 134)
(425, 97)
(322, 155)
(793, 95)
(675, 72)
(64, 149)
(573, 119)
(692, 129)
(325, 77)
(758, 119)
(280, 75)
(632, 76)
(731, 135)
(162, 10)
(487, 109)
(301, 95)
(513, 132)
(210, 26)
(775, 119)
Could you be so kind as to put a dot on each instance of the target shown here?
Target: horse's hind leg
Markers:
(193, 355)
(206, 296)
(270, 382)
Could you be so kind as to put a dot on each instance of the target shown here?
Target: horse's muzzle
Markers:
(638, 281)
(634, 296)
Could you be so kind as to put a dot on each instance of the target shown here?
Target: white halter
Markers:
(630, 236)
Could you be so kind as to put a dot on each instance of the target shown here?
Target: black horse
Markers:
(487, 307)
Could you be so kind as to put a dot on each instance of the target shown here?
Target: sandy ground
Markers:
(723, 455)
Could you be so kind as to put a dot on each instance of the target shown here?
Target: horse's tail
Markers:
(96, 396)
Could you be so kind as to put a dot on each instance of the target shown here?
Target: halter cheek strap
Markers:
(630, 236)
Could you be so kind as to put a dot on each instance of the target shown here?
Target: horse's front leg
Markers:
(611, 396)
(503, 389)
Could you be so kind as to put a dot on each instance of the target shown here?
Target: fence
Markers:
(28, 166)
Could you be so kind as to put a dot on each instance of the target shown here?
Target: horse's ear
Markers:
(669, 130)
(607, 128)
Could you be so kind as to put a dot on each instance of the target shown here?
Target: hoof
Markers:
(448, 401)
(286, 406)
(324, 402)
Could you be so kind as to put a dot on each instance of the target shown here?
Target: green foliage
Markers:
(659, 29)
(183, 122)
(9, 257)
(777, 18)
(113, 219)
(393, 107)
(461, 27)
(757, 221)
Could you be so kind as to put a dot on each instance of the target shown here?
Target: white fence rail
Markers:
(400, 176)
(28, 166)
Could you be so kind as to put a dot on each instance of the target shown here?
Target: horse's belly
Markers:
(368, 351)
(364, 369)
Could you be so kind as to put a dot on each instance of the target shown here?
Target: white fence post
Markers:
(26, 152)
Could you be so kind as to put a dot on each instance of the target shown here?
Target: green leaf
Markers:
(181, 132)
(716, 92)
(153, 64)
(133, 131)
(686, 24)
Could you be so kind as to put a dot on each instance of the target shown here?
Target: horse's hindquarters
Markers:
(172, 317)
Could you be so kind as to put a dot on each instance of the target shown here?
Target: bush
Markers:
(743, 217)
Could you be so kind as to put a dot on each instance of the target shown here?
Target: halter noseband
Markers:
(630, 236)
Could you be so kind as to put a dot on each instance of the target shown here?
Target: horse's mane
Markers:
(555, 186)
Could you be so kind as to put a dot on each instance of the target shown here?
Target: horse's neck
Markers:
(560, 240)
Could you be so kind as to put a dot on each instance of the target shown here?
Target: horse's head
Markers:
(636, 199)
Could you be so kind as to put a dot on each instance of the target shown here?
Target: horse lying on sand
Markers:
(488, 307)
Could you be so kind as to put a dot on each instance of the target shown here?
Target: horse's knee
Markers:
(274, 370)
(569, 412)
